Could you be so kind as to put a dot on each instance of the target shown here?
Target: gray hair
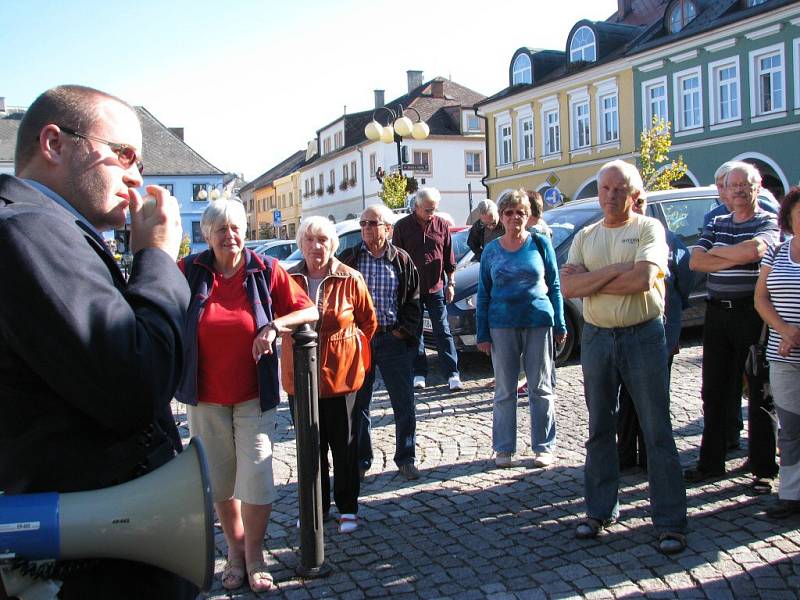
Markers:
(427, 193)
(629, 172)
(384, 212)
(318, 224)
(221, 212)
(753, 175)
(487, 207)
(511, 198)
(726, 168)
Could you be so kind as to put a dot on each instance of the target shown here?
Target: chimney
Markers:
(414, 80)
(177, 132)
(437, 88)
(379, 101)
(2, 104)
(623, 8)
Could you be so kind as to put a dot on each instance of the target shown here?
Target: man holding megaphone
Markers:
(88, 361)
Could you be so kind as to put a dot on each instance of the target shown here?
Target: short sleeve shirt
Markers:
(783, 284)
(641, 239)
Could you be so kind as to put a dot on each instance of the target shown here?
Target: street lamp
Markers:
(398, 127)
(203, 194)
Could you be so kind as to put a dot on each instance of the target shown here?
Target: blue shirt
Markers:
(519, 289)
(679, 284)
(382, 281)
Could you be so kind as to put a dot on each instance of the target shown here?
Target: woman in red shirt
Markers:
(240, 303)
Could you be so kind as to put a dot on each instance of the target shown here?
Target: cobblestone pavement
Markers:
(469, 530)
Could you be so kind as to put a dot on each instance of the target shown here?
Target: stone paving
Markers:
(469, 530)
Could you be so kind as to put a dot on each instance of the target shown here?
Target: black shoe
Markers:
(697, 475)
(783, 508)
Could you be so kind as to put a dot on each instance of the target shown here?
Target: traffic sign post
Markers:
(552, 196)
(276, 217)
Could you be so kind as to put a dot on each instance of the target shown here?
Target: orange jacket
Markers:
(345, 329)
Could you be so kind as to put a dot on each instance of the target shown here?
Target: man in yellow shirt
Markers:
(617, 266)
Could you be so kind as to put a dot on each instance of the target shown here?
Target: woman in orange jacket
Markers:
(347, 322)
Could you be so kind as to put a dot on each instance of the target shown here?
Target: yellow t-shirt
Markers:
(640, 239)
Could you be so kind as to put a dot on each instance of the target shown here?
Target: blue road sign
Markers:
(552, 196)
(276, 217)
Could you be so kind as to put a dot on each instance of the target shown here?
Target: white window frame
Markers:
(605, 90)
(427, 152)
(525, 117)
(714, 95)
(467, 117)
(756, 113)
(582, 49)
(647, 114)
(678, 95)
(504, 143)
(580, 123)
(550, 107)
(521, 71)
(469, 173)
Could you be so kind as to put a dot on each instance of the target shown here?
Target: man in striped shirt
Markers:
(729, 250)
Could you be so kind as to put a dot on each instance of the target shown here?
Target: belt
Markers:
(731, 304)
(385, 328)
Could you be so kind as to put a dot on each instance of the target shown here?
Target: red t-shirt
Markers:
(226, 370)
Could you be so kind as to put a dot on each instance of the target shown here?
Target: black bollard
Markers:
(309, 486)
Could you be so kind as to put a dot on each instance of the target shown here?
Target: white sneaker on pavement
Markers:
(543, 459)
(504, 460)
(419, 382)
(455, 383)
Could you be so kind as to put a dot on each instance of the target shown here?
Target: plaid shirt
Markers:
(382, 283)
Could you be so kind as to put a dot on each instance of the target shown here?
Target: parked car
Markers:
(279, 249)
(679, 210)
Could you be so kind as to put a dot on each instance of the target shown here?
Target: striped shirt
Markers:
(783, 283)
(738, 281)
(382, 282)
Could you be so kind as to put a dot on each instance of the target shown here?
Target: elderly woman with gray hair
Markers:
(485, 229)
(519, 313)
(240, 303)
(346, 325)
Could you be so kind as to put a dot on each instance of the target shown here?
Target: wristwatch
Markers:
(274, 327)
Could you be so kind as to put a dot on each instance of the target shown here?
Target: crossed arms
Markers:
(725, 257)
(620, 279)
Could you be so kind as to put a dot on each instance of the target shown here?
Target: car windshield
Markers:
(460, 247)
(567, 220)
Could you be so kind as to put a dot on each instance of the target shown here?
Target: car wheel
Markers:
(565, 349)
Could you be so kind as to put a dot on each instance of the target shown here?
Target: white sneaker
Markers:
(543, 459)
(419, 382)
(504, 460)
(455, 383)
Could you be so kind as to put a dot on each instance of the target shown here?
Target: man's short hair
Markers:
(629, 172)
(70, 106)
(753, 175)
(513, 198)
(318, 224)
(427, 193)
(537, 203)
(221, 212)
(725, 168)
(384, 212)
(487, 207)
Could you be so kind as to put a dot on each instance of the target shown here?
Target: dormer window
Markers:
(521, 71)
(681, 13)
(582, 48)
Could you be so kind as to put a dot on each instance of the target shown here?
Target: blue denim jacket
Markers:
(199, 271)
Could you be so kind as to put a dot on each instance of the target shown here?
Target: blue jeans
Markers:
(535, 345)
(635, 356)
(393, 357)
(437, 313)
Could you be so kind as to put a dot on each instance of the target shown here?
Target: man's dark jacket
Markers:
(408, 309)
(88, 362)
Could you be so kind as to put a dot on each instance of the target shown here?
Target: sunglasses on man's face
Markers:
(370, 223)
(125, 154)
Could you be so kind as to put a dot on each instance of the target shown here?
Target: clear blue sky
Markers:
(252, 80)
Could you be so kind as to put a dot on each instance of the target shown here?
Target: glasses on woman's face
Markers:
(510, 212)
(125, 154)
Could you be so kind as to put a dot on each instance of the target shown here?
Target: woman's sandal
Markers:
(761, 486)
(671, 542)
(233, 574)
(259, 578)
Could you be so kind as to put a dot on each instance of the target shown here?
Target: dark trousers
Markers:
(727, 337)
(334, 427)
(760, 429)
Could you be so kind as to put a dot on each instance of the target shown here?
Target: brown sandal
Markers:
(259, 578)
(233, 574)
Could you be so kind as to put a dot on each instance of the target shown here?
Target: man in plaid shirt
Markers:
(393, 282)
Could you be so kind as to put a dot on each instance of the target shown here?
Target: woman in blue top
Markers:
(519, 306)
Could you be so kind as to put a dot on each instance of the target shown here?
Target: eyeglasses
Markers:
(430, 211)
(739, 186)
(511, 212)
(126, 154)
(370, 223)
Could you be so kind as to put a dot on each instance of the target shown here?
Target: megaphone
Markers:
(164, 519)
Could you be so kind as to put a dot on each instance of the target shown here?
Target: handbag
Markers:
(756, 365)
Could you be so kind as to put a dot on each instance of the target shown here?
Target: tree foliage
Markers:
(186, 246)
(655, 143)
(393, 193)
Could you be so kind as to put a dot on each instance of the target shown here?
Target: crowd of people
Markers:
(204, 330)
